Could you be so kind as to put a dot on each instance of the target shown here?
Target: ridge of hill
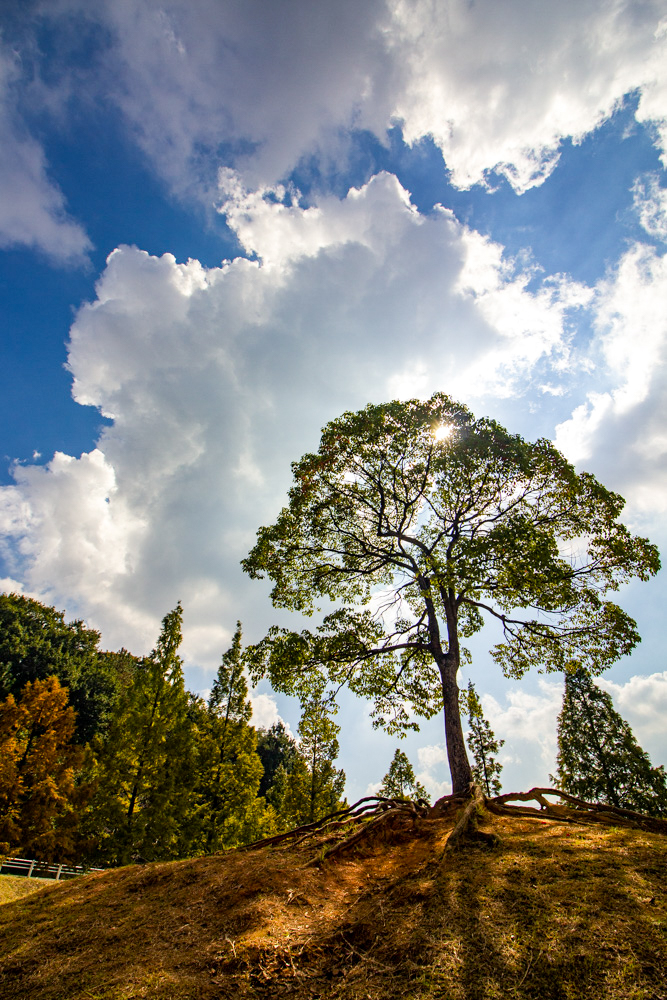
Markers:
(554, 911)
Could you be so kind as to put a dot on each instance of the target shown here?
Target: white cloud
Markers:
(532, 72)
(650, 202)
(620, 432)
(265, 711)
(432, 764)
(264, 85)
(529, 719)
(197, 369)
(432, 756)
(436, 789)
(642, 701)
(33, 212)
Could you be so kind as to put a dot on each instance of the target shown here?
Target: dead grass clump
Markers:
(16, 886)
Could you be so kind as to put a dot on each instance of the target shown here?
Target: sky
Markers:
(224, 222)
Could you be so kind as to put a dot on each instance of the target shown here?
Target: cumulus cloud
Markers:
(431, 757)
(642, 700)
(527, 722)
(263, 86)
(265, 711)
(33, 212)
(619, 432)
(534, 73)
(432, 764)
(650, 201)
(197, 366)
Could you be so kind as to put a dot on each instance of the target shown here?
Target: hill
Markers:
(555, 911)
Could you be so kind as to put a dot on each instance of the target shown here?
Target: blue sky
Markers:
(407, 198)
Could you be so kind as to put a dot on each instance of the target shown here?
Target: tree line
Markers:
(457, 523)
(107, 758)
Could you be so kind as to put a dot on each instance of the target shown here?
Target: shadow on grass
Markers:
(552, 913)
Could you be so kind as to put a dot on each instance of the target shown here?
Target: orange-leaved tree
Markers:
(41, 798)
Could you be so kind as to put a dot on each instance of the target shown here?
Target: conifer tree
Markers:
(400, 783)
(482, 744)
(229, 768)
(145, 790)
(276, 749)
(40, 796)
(314, 787)
(599, 758)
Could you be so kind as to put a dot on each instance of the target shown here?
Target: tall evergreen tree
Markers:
(399, 782)
(145, 789)
(276, 749)
(599, 758)
(229, 768)
(482, 743)
(314, 787)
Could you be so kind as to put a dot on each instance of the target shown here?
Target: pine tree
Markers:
(400, 783)
(276, 749)
(145, 790)
(229, 768)
(482, 744)
(599, 758)
(314, 787)
(41, 798)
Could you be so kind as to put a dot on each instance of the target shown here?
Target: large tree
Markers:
(422, 522)
(599, 758)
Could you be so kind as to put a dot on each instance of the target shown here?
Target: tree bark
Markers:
(457, 756)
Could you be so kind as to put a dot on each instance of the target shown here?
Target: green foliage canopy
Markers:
(36, 642)
(455, 521)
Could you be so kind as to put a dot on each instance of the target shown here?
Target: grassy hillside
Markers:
(16, 886)
(555, 912)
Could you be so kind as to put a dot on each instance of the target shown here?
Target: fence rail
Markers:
(31, 868)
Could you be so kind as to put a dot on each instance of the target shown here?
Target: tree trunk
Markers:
(459, 766)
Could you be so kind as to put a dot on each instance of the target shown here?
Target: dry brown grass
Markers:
(555, 912)
(15, 886)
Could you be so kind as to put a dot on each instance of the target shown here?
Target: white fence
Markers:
(30, 868)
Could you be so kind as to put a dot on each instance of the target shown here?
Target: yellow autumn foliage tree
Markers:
(40, 797)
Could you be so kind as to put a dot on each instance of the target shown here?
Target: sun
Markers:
(442, 432)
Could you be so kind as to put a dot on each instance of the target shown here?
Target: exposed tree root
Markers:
(466, 824)
(374, 817)
(576, 810)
